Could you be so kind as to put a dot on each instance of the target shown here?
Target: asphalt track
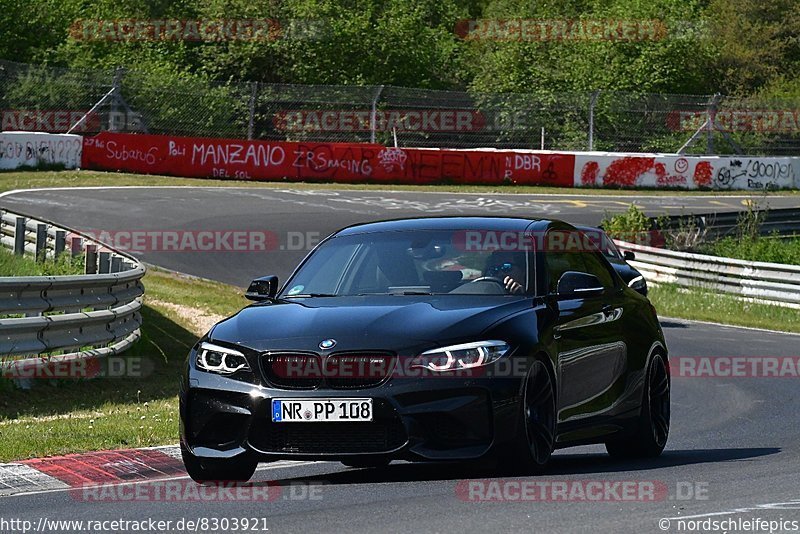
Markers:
(297, 218)
(734, 449)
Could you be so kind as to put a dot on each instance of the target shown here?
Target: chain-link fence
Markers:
(42, 98)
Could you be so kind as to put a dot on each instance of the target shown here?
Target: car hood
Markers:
(390, 322)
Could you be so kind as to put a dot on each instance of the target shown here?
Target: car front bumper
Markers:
(443, 417)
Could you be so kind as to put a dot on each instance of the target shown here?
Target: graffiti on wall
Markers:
(345, 162)
(685, 172)
(22, 149)
(372, 163)
(755, 173)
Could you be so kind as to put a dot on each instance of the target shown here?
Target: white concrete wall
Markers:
(686, 172)
(18, 149)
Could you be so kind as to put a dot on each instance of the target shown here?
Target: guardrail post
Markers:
(60, 243)
(76, 245)
(41, 242)
(105, 262)
(91, 319)
(19, 236)
(91, 259)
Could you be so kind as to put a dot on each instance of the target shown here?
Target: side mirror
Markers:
(629, 255)
(264, 288)
(576, 284)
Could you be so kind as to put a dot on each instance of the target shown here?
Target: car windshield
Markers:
(602, 241)
(409, 263)
(609, 249)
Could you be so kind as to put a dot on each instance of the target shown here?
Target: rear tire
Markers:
(652, 431)
(238, 469)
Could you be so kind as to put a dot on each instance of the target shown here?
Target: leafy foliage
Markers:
(632, 225)
(741, 46)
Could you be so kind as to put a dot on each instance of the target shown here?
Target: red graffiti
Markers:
(338, 162)
(589, 173)
(702, 174)
(670, 181)
(664, 179)
(625, 172)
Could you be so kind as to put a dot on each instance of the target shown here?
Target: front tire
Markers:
(536, 439)
(239, 469)
(652, 431)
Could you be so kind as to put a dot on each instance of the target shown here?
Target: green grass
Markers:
(769, 249)
(64, 416)
(700, 305)
(36, 179)
(199, 293)
(12, 265)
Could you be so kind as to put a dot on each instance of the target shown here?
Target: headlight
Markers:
(221, 360)
(464, 356)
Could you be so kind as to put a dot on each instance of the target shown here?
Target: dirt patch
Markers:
(198, 319)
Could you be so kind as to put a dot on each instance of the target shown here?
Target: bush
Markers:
(771, 249)
(632, 226)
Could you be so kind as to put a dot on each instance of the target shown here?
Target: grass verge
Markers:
(40, 179)
(64, 416)
(12, 265)
(769, 249)
(700, 305)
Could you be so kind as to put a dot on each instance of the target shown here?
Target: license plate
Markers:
(321, 410)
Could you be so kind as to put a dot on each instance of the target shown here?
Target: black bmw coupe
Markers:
(430, 339)
(619, 260)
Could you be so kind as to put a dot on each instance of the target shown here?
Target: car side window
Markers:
(570, 250)
(559, 258)
(597, 267)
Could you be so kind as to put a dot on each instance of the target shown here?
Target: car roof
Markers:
(583, 227)
(517, 224)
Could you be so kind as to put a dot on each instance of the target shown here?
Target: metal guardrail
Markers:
(784, 221)
(772, 283)
(66, 318)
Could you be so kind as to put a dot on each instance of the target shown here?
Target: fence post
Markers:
(592, 102)
(252, 110)
(710, 123)
(19, 236)
(116, 86)
(373, 116)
